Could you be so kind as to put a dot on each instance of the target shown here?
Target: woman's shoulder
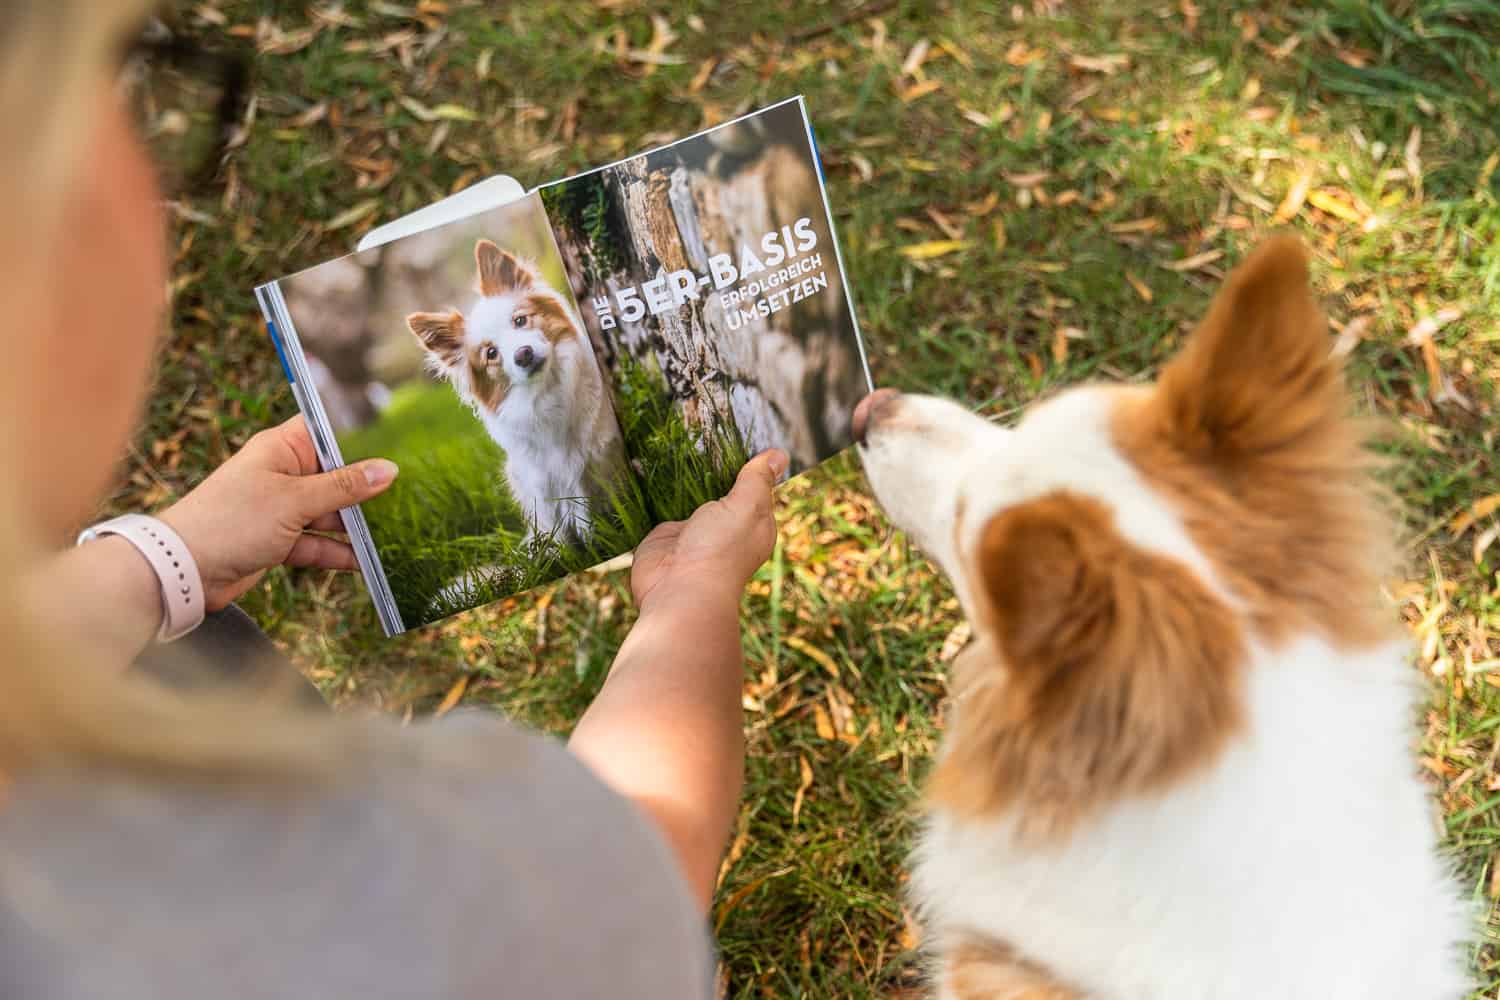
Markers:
(447, 857)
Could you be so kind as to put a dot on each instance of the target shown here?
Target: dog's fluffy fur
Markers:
(520, 359)
(1179, 759)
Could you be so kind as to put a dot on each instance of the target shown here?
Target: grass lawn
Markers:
(1028, 194)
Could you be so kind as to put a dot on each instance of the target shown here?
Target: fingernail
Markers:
(778, 460)
(379, 471)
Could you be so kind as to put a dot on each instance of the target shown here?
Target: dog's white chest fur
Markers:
(1299, 865)
(559, 440)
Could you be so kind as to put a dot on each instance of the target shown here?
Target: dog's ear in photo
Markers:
(499, 270)
(441, 335)
(1099, 669)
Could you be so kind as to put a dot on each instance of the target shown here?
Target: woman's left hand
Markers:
(259, 510)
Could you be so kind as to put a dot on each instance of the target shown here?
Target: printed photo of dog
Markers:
(491, 401)
(519, 359)
(1179, 759)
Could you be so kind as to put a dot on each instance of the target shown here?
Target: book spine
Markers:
(289, 352)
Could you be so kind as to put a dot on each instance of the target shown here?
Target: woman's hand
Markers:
(717, 549)
(257, 509)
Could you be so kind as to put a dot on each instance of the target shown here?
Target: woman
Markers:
(156, 845)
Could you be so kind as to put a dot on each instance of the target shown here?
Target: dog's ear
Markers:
(1101, 669)
(441, 334)
(499, 271)
(1256, 375)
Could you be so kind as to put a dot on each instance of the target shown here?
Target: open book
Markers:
(557, 371)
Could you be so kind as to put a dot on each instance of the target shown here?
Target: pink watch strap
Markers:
(176, 571)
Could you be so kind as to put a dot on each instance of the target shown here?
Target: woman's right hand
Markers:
(715, 551)
(259, 510)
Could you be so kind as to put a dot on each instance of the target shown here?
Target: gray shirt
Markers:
(462, 859)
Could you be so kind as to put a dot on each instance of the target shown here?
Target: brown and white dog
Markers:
(520, 359)
(1179, 759)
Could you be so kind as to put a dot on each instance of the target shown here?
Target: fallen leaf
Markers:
(915, 57)
(1060, 338)
(933, 248)
(705, 70)
(1477, 511)
(921, 89)
(350, 216)
(950, 229)
(999, 232)
(739, 895)
(1333, 202)
(802, 786)
(1194, 262)
(1296, 195)
(1146, 225)
(1412, 156)
(1141, 288)
(1028, 180)
(1109, 65)
(455, 113)
(813, 653)
(1020, 54)
(958, 54)
(955, 642)
(417, 108)
(1427, 326)
(452, 698)
(1350, 336)
(1483, 541)
(822, 722)
(984, 207)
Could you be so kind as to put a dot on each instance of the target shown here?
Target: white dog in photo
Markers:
(520, 359)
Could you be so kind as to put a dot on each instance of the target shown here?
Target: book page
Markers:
(709, 279)
(458, 352)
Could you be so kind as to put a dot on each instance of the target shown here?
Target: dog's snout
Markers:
(525, 356)
(867, 410)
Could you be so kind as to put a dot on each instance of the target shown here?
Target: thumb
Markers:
(752, 487)
(343, 487)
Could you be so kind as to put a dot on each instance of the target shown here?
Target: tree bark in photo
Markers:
(787, 379)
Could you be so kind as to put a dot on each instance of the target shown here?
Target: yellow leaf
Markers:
(1477, 511)
(454, 113)
(452, 698)
(813, 653)
(822, 722)
(1141, 288)
(922, 89)
(1000, 239)
(933, 248)
(1325, 201)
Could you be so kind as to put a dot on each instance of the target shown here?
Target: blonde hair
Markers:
(57, 709)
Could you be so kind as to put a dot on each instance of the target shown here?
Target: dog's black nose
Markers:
(525, 356)
(867, 409)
